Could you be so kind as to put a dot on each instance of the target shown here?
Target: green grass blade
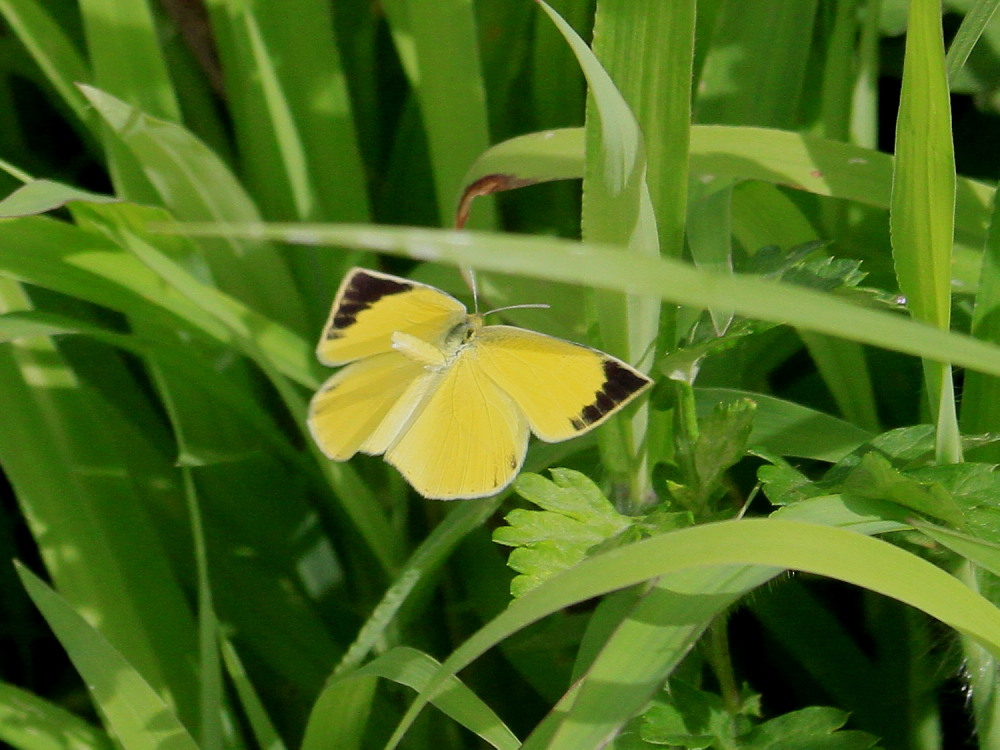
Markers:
(264, 732)
(845, 371)
(138, 716)
(85, 503)
(617, 209)
(125, 54)
(209, 664)
(293, 120)
(647, 48)
(53, 51)
(195, 185)
(357, 500)
(968, 34)
(847, 556)
(721, 154)
(597, 265)
(124, 49)
(431, 39)
(424, 561)
(981, 393)
(40, 196)
(658, 633)
(768, 45)
(332, 726)
(922, 212)
(557, 88)
(81, 264)
(28, 722)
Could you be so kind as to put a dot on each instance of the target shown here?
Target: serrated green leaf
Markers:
(876, 478)
(722, 441)
(812, 728)
(576, 519)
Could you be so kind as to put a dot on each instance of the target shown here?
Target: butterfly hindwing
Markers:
(466, 440)
(370, 307)
(351, 406)
(564, 389)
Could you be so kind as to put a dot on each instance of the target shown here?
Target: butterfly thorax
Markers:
(438, 355)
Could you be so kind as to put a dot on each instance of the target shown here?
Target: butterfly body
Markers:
(448, 400)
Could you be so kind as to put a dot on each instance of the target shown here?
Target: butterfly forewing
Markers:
(370, 307)
(564, 389)
(467, 440)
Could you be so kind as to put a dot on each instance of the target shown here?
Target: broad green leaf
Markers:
(139, 717)
(692, 718)
(812, 728)
(874, 477)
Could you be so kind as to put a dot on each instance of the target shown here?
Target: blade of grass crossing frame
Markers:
(727, 549)
(720, 154)
(600, 266)
(438, 46)
(922, 210)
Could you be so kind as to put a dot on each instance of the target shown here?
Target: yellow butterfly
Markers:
(448, 400)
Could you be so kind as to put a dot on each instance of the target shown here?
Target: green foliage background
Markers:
(771, 223)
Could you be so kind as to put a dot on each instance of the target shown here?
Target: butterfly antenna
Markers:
(475, 291)
(536, 306)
